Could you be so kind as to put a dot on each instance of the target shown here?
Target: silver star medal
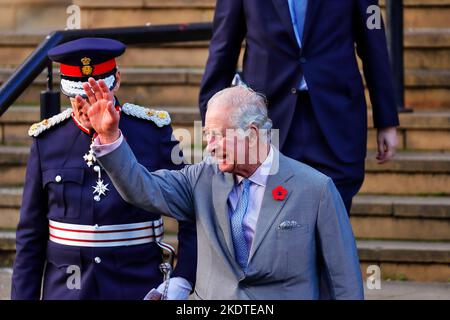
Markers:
(100, 188)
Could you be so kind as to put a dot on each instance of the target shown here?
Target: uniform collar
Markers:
(79, 125)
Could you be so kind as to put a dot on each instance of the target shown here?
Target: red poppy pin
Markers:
(279, 193)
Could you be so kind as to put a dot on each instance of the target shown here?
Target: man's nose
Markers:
(210, 147)
(210, 141)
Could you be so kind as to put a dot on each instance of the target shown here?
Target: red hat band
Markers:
(87, 70)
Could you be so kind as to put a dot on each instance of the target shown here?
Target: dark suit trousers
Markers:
(306, 143)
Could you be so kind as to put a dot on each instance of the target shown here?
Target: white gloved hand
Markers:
(179, 289)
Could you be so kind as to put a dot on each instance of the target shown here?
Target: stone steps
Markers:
(10, 202)
(410, 173)
(428, 13)
(402, 214)
(406, 260)
(372, 217)
(401, 218)
(425, 48)
(30, 15)
(14, 124)
(422, 130)
(398, 260)
(425, 89)
(390, 290)
(8, 246)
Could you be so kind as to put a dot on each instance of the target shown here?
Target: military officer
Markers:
(77, 238)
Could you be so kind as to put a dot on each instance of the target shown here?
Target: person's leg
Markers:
(348, 189)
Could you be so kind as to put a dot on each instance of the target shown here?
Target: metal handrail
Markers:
(37, 61)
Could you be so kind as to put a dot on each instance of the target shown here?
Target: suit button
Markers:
(97, 260)
(294, 90)
(302, 60)
(58, 178)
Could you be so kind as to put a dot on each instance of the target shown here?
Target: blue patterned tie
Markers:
(237, 231)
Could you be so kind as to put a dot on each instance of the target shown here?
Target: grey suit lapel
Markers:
(222, 185)
(270, 207)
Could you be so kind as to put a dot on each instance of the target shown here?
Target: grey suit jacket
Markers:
(283, 262)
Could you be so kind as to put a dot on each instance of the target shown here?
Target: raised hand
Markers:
(102, 115)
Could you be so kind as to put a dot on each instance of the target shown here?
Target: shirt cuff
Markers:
(101, 150)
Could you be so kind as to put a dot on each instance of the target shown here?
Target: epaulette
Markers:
(159, 117)
(37, 128)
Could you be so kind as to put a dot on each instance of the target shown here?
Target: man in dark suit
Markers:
(301, 54)
(77, 238)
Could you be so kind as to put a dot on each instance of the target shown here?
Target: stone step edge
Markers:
(374, 251)
(401, 207)
(98, 4)
(27, 115)
(426, 120)
(363, 205)
(404, 162)
(414, 78)
(413, 38)
(404, 251)
(411, 162)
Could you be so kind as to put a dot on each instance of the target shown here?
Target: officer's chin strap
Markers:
(166, 267)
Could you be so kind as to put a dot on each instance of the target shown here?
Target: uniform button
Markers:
(294, 90)
(96, 226)
(302, 60)
(97, 260)
(58, 178)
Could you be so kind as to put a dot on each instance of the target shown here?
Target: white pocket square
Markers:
(288, 225)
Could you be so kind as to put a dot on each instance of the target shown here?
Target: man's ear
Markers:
(253, 135)
(116, 88)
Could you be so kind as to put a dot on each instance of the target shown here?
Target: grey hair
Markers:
(248, 108)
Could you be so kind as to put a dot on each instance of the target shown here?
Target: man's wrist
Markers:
(109, 138)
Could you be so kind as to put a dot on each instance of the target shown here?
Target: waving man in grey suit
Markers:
(262, 219)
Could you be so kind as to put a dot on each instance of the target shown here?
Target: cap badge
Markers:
(86, 69)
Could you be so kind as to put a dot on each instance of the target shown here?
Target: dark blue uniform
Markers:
(126, 272)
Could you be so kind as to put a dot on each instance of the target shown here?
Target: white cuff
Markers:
(101, 150)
